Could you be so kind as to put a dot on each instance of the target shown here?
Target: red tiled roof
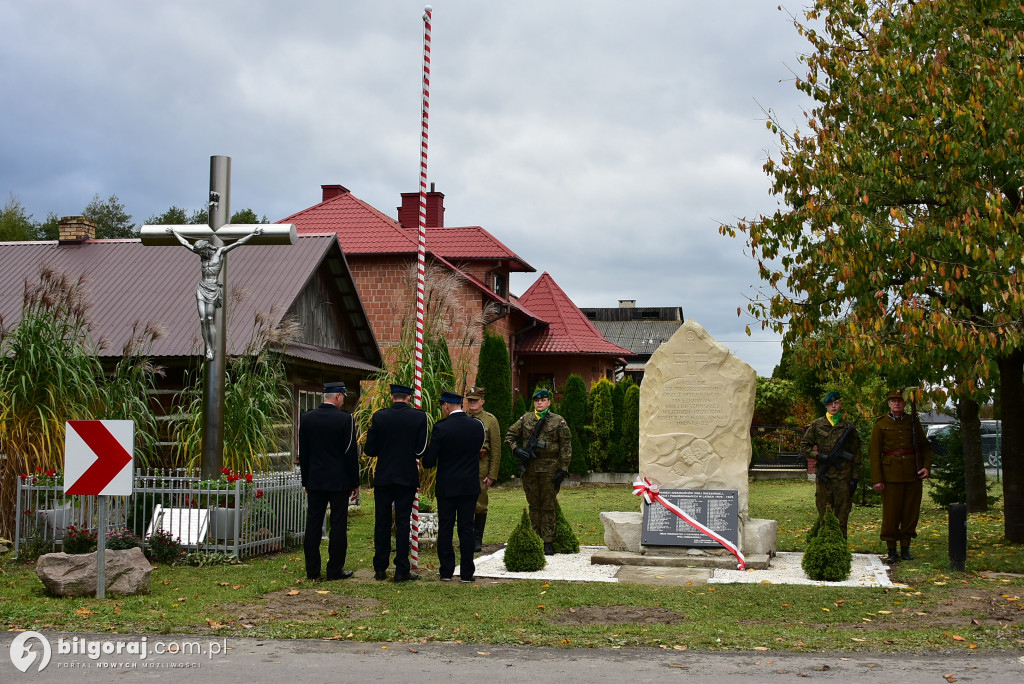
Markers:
(361, 229)
(568, 330)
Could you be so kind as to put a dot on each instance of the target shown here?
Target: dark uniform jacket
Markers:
(892, 449)
(554, 444)
(455, 450)
(328, 450)
(397, 437)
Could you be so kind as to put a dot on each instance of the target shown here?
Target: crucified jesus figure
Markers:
(209, 292)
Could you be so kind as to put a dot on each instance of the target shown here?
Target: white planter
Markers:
(56, 519)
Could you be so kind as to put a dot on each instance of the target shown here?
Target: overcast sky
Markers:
(602, 141)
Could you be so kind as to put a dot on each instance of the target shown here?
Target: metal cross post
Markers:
(211, 243)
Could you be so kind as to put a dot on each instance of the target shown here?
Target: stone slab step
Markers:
(669, 577)
(754, 562)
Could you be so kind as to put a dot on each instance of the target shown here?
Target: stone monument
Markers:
(696, 404)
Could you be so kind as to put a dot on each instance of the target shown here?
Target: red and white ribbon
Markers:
(652, 492)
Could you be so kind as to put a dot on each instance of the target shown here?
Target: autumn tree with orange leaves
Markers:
(898, 246)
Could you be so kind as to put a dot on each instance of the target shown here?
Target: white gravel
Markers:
(867, 571)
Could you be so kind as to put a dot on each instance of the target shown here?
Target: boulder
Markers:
(74, 574)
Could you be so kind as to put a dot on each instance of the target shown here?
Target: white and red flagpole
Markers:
(421, 267)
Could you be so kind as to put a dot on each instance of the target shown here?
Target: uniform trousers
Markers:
(384, 498)
(452, 512)
(901, 508)
(337, 540)
(541, 496)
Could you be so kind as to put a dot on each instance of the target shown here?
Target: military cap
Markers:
(894, 394)
(542, 393)
(830, 397)
(401, 389)
(335, 387)
(475, 393)
(451, 397)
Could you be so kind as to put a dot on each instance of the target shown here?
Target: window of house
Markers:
(499, 284)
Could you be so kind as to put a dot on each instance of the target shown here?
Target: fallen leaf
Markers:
(541, 606)
(293, 592)
(679, 648)
(760, 648)
(483, 653)
(681, 667)
(413, 650)
(84, 611)
(885, 612)
(322, 591)
(238, 586)
(222, 584)
(213, 624)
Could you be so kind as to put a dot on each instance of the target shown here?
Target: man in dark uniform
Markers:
(397, 437)
(490, 458)
(329, 464)
(546, 466)
(899, 473)
(836, 481)
(455, 451)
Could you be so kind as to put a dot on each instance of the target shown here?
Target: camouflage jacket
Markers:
(554, 443)
(822, 434)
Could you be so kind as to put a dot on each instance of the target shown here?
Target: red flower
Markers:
(23, 477)
(259, 493)
(225, 471)
(51, 472)
(28, 511)
(248, 477)
(38, 469)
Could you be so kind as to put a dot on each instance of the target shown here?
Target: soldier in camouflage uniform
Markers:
(896, 474)
(490, 458)
(836, 483)
(546, 467)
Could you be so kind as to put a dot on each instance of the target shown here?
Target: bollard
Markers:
(957, 537)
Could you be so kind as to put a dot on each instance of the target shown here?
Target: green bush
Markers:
(494, 373)
(565, 538)
(574, 410)
(601, 425)
(525, 550)
(828, 556)
(164, 547)
(121, 539)
(948, 481)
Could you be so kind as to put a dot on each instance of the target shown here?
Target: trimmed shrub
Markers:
(164, 547)
(602, 423)
(494, 373)
(574, 410)
(525, 550)
(828, 556)
(565, 538)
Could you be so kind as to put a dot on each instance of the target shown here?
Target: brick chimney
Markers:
(409, 212)
(74, 229)
(332, 191)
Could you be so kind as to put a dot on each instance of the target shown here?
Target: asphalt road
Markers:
(257, 660)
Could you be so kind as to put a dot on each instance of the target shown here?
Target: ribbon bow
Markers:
(651, 492)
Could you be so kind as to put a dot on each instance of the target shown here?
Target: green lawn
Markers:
(269, 597)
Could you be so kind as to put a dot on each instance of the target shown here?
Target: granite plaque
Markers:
(716, 509)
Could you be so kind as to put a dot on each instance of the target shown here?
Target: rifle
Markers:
(527, 453)
(913, 434)
(835, 454)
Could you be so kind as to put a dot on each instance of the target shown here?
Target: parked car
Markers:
(991, 440)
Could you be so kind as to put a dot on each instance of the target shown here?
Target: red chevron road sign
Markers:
(98, 457)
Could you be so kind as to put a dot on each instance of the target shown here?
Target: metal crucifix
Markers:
(212, 243)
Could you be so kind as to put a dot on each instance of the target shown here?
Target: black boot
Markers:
(905, 553)
(549, 549)
(478, 524)
(893, 556)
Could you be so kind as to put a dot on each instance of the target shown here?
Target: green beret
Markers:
(542, 393)
(829, 398)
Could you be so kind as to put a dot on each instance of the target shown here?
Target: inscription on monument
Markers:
(716, 509)
(694, 403)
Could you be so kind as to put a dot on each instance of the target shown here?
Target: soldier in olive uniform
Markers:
(490, 458)
(836, 481)
(546, 467)
(899, 473)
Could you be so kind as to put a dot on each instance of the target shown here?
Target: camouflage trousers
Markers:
(834, 494)
(540, 495)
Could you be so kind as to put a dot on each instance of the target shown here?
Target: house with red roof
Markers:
(466, 289)
(131, 286)
(568, 344)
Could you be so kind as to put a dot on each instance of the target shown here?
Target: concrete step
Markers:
(754, 562)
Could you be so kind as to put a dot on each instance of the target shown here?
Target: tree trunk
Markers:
(974, 464)
(1011, 376)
